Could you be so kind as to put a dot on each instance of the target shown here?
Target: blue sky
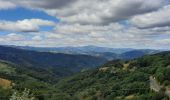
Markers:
(111, 23)
(23, 13)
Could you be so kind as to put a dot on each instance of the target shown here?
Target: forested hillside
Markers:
(16, 78)
(114, 80)
(66, 63)
(122, 80)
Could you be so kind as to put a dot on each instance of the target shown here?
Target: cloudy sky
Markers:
(109, 23)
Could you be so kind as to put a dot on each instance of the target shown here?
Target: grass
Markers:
(5, 68)
(6, 84)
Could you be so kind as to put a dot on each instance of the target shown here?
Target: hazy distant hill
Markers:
(76, 50)
(137, 53)
(49, 60)
(104, 52)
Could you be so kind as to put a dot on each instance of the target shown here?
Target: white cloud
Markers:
(86, 29)
(5, 4)
(53, 36)
(160, 18)
(92, 11)
(104, 12)
(93, 22)
(131, 37)
(43, 4)
(12, 37)
(26, 25)
(113, 35)
(37, 38)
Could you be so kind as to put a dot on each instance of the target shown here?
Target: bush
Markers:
(25, 95)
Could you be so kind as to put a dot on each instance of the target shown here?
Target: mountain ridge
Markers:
(49, 60)
(104, 52)
(118, 79)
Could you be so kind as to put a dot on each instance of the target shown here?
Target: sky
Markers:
(108, 23)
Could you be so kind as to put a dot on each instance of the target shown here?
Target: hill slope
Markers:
(14, 77)
(117, 79)
(66, 62)
(104, 52)
(121, 80)
(77, 50)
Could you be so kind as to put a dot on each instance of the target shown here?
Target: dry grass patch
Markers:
(125, 66)
(6, 84)
(104, 69)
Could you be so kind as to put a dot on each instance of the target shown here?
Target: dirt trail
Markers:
(154, 85)
(167, 92)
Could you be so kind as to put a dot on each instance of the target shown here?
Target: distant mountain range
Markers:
(76, 50)
(66, 63)
(57, 61)
(104, 52)
(67, 60)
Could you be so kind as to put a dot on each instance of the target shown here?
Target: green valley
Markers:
(144, 78)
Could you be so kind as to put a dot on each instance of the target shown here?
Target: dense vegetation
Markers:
(115, 80)
(158, 65)
(120, 80)
(57, 62)
(38, 81)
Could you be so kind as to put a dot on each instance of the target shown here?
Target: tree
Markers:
(25, 95)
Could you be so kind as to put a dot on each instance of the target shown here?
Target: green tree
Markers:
(25, 95)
